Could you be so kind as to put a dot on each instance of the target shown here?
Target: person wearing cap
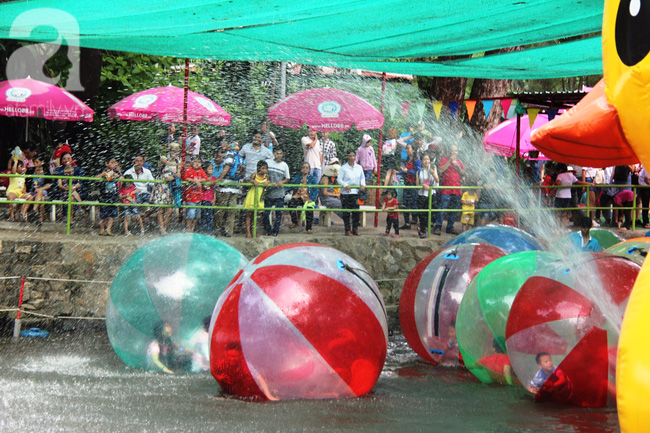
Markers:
(366, 157)
(331, 196)
(566, 177)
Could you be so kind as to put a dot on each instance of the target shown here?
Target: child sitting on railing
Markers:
(17, 190)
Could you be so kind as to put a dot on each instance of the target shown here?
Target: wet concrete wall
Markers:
(71, 276)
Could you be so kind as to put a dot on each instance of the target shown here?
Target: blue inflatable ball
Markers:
(162, 296)
(508, 238)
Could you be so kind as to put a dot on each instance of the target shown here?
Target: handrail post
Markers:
(67, 229)
(634, 207)
(429, 212)
(588, 201)
(256, 205)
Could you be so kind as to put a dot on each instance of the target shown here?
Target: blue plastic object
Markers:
(511, 239)
(35, 332)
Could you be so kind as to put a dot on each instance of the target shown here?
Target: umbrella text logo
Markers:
(18, 94)
(329, 109)
(144, 101)
(30, 59)
(207, 104)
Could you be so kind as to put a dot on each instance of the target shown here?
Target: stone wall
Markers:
(93, 262)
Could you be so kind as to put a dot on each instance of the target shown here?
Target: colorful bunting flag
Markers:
(453, 107)
(551, 113)
(487, 106)
(532, 115)
(420, 107)
(405, 109)
(512, 111)
(437, 107)
(505, 104)
(470, 105)
(392, 109)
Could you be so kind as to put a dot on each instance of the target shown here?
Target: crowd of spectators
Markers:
(434, 172)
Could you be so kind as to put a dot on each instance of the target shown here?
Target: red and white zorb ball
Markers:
(299, 321)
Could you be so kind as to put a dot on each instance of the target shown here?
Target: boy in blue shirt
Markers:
(582, 240)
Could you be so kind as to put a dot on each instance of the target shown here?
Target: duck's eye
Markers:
(633, 31)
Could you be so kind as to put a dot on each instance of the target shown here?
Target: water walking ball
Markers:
(483, 313)
(570, 315)
(300, 321)
(634, 249)
(508, 238)
(173, 282)
(431, 295)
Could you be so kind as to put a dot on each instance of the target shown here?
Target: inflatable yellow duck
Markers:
(626, 67)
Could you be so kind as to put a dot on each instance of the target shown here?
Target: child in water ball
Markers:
(546, 368)
(550, 383)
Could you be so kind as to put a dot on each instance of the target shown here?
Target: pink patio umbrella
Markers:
(33, 98)
(502, 139)
(165, 104)
(325, 109)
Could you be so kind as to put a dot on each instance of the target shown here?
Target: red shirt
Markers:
(451, 176)
(194, 194)
(128, 189)
(392, 203)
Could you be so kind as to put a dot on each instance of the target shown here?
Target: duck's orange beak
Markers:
(589, 134)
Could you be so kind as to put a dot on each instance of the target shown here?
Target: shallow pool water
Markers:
(74, 382)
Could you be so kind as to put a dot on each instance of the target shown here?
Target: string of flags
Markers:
(509, 106)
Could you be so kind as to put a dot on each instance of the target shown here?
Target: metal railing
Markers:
(256, 209)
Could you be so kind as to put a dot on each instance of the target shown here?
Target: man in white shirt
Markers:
(143, 189)
(253, 152)
(351, 175)
(139, 172)
(313, 154)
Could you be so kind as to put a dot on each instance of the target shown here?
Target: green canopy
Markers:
(380, 35)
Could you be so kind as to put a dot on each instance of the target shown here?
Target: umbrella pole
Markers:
(185, 90)
(517, 149)
(185, 93)
(26, 128)
(381, 140)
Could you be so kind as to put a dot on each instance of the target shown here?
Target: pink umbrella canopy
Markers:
(502, 139)
(325, 109)
(33, 98)
(166, 105)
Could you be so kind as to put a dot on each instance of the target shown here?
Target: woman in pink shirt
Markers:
(366, 157)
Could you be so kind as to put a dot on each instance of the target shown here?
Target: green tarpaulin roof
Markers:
(367, 34)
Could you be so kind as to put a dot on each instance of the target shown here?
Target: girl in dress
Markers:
(259, 179)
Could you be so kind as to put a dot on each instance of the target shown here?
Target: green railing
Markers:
(257, 209)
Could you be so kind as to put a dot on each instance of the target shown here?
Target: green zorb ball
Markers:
(173, 280)
(483, 313)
